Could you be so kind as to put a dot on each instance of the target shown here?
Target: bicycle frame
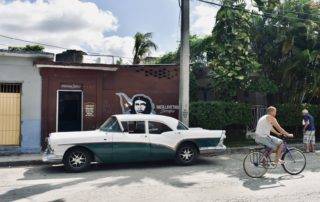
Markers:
(260, 157)
(286, 149)
(267, 153)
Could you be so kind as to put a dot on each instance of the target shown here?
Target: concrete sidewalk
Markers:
(36, 159)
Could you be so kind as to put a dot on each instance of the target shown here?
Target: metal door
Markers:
(10, 104)
(69, 110)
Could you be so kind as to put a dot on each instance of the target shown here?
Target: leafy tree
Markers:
(200, 52)
(286, 40)
(30, 48)
(168, 58)
(275, 51)
(142, 45)
(235, 62)
(200, 55)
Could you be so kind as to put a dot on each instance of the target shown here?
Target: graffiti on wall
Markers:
(167, 109)
(143, 104)
(138, 104)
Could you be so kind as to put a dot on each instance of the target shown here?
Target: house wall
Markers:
(21, 70)
(161, 84)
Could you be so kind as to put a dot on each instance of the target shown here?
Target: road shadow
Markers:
(114, 175)
(168, 173)
(269, 181)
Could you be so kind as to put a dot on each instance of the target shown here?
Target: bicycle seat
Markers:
(262, 146)
(258, 147)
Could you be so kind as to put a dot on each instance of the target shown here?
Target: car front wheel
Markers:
(186, 154)
(77, 160)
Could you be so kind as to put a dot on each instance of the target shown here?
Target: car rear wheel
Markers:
(186, 154)
(77, 160)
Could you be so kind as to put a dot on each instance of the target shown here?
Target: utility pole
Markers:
(184, 63)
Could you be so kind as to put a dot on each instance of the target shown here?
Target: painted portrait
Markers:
(138, 104)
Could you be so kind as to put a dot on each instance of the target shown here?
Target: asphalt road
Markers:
(212, 179)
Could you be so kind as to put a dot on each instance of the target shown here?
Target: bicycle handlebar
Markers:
(283, 137)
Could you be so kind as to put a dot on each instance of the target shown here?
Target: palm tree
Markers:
(142, 46)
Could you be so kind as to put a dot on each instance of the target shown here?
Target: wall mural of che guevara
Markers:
(138, 104)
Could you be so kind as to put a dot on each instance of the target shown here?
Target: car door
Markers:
(104, 147)
(132, 144)
(161, 140)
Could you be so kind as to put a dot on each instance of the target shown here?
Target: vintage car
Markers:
(128, 138)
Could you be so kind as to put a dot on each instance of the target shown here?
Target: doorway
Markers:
(69, 110)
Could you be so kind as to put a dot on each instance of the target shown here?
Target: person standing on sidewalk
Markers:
(309, 130)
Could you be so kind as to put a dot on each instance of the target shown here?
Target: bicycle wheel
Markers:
(295, 161)
(255, 164)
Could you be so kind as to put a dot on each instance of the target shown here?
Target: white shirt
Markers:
(263, 127)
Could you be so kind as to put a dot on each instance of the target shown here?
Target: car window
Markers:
(158, 128)
(111, 125)
(181, 126)
(135, 127)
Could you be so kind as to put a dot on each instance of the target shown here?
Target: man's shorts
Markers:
(269, 141)
(309, 137)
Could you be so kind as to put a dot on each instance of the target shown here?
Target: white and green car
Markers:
(129, 138)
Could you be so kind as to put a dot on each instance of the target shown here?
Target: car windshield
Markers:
(111, 125)
(181, 126)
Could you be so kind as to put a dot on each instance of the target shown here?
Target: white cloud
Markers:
(70, 24)
(203, 19)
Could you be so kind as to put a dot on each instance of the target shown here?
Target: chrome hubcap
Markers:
(186, 154)
(77, 159)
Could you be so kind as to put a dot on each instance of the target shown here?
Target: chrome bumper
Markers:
(217, 150)
(211, 151)
(51, 158)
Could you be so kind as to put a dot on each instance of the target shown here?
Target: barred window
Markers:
(10, 87)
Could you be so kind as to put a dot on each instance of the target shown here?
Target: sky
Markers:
(100, 26)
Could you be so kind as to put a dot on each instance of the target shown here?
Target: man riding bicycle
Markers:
(266, 124)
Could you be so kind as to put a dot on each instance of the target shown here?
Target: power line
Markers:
(288, 11)
(253, 13)
(60, 47)
(43, 44)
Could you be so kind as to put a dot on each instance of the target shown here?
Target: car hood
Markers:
(75, 137)
(72, 134)
(196, 128)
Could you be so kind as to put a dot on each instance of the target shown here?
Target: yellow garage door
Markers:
(10, 114)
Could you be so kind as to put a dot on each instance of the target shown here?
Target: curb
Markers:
(246, 149)
(21, 163)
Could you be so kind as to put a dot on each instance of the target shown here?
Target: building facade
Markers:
(20, 101)
(80, 96)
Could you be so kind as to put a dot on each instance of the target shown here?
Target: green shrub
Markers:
(235, 117)
(289, 115)
(230, 116)
(219, 115)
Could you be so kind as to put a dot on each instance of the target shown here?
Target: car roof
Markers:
(172, 122)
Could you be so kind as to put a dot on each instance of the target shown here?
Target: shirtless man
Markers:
(266, 124)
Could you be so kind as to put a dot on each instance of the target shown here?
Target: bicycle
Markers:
(258, 161)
